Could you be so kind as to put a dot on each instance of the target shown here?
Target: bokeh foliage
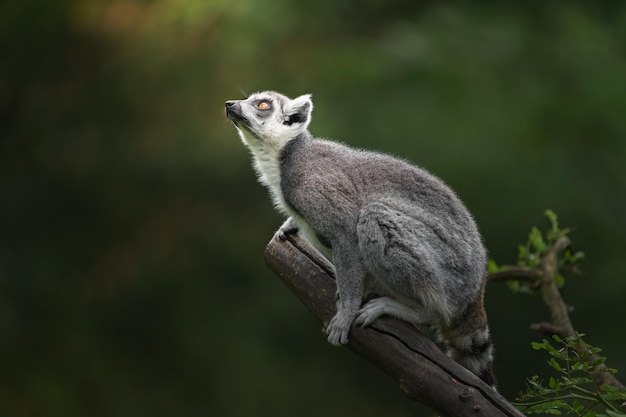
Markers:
(132, 229)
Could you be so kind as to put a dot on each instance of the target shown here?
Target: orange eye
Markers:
(264, 105)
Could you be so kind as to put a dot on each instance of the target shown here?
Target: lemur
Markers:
(390, 228)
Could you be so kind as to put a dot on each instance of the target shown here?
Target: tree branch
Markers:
(422, 371)
(520, 273)
(543, 279)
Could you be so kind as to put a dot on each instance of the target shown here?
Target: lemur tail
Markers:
(469, 343)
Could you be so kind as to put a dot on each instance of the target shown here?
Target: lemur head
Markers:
(268, 120)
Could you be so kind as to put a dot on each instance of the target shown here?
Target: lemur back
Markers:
(390, 228)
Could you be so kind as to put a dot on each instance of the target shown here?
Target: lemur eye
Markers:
(263, 105)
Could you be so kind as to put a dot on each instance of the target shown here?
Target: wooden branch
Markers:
(550, 293)
(520, 273)
(419, 367)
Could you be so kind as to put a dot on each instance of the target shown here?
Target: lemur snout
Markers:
(233, 109)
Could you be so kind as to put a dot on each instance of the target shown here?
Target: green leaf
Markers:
(559, 280)
(555, 365)
(522, 255)
(574, 257)
(613, 393)
(514, 285)
(552, 383)
(596, 362)
(578, 407)
(554, 233)
(551, 349)
(554, 220)
(536, 240)
(535, 384)
(579, 381)
(538, 346)
(615, 396)
(594, 350)
(492, 266)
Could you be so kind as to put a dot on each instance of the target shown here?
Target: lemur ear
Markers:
(299, 110)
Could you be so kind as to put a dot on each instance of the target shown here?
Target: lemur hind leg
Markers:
(396, 246)
(387, 306)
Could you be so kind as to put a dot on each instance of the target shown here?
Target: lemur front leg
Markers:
(299, 227)
(350, 275)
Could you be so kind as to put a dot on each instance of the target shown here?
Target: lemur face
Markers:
(270, 117)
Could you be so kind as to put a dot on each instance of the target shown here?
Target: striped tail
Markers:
(469, 343)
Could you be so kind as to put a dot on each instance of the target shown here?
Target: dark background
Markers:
(132, 229)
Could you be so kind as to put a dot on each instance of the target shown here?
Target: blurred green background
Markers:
(132, 280)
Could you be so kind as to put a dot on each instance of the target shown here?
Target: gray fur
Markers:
(390, 228)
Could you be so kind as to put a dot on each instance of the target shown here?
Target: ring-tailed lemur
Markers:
(390, 228)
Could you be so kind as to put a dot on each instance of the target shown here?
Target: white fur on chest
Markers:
(268, 171)
(267, 166)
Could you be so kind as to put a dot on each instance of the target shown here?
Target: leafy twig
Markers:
(569, 390)
(540, 263)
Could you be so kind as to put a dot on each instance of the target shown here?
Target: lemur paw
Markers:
(370, 312)
(288, 228)
(338, 330)
(284, 232)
